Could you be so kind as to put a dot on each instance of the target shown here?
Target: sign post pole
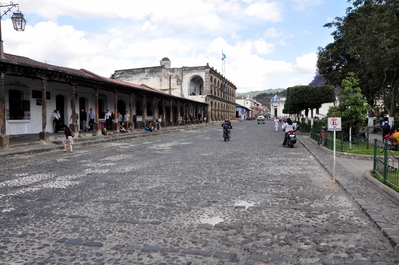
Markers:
(334, 171)
(334, 124)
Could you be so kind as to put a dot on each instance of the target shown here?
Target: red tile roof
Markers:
(82, 72)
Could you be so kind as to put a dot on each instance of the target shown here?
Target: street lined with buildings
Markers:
(183, 198)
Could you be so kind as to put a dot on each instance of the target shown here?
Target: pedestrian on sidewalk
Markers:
(56, 122)
(83, 120)
(108, 120)
(91, 119)
(120, 118)
(126, 119)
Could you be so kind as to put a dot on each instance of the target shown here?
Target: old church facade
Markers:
(202, 84)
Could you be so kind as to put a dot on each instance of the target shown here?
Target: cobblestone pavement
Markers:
(183, 198)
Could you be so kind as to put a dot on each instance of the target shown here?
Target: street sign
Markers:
(334, 124)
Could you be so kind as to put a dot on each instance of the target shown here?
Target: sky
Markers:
(269, 44)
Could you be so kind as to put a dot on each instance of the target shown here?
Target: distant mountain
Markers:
(263, 96)
(253, 94)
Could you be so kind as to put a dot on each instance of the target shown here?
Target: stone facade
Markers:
(200, 83)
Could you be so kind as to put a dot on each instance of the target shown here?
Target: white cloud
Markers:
(264, 11)
(300, 5)
(296, 82)
(132, 34)
(262, 47)
(272, 33)
(306, 63)
(49, 42)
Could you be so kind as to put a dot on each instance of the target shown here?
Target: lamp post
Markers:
(18, 22)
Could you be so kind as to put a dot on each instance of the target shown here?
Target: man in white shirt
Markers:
(108, 120)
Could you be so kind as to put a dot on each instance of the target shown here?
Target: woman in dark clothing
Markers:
(68, 139)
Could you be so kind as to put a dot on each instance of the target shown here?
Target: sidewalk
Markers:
(353, 174)
(30, 143)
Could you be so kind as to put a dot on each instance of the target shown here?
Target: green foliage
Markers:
(366, 43)
(307, 97)
(352, 107)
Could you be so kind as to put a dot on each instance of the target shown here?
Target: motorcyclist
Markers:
(287, 127)
(227, 125)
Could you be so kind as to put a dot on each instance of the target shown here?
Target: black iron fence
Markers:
(342, 143)
(386, 164)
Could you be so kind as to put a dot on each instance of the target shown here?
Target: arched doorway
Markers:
(122, 107)
(82, 104)
(196, 86)
(102, 99)
(60, 106)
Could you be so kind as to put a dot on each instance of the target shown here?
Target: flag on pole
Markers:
(223, 56)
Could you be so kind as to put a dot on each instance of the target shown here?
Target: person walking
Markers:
(56, 122)
(120, 118)
(108, 120)
(68, 139)
(91, 119)
(276, 123)
(83, 120)
(126, 119)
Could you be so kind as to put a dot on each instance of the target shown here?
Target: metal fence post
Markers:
(375, 155)
(367, 138)
(385, 162)
(342, 141)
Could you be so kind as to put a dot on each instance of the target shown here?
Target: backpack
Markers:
(386, 128)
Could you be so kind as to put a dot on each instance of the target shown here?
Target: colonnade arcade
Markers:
(221, 110)
(73, 90)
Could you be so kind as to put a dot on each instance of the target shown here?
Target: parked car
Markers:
(260, 119)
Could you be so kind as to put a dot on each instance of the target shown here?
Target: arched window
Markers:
(196, 86)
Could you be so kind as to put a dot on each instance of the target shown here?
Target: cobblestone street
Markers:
(183, 198)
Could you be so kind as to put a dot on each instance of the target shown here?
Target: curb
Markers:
(56, 143)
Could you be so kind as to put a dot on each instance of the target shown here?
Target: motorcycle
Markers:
(291, 139)
(226, 136)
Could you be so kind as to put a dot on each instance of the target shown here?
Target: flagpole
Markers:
(223, 63)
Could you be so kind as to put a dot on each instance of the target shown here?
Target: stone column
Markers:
(74, 125)
(96, 125)
(171, 112)
(144, 112)
(4, 139)
(179, 109)
(163, 113)
(115, 124)
(131, 108)
(43, 135)
(154, 103)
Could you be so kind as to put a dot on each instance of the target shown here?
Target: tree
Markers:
(317, 80)
(307, 97)
(352, 107)
(366, 43)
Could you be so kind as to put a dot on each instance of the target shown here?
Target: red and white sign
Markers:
(334, 124)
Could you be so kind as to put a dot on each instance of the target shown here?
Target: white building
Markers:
(277, 107)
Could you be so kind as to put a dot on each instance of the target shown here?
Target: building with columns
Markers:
(254, 107)
(201, 83)
(30, 91)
